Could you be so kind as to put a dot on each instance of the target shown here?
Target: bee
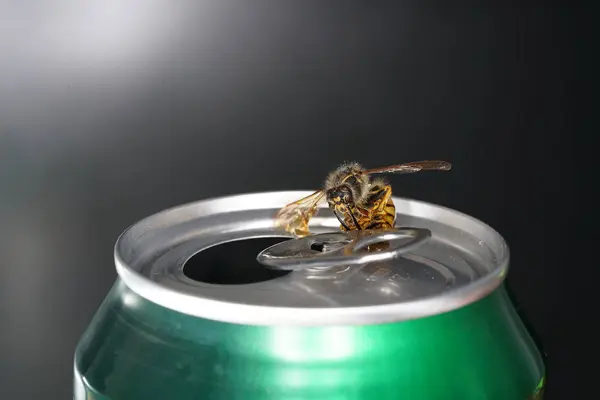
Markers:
(359, 198)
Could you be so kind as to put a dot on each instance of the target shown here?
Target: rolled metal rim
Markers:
(195, 304)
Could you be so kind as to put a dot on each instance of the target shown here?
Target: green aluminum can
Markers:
(194, 315)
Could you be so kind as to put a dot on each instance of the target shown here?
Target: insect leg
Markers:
(387, 189)
(341, 219)
(354, 219)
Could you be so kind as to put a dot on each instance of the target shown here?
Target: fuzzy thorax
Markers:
(351, 174)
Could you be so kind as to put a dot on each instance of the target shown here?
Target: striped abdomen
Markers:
(379, 211)
(383, 217)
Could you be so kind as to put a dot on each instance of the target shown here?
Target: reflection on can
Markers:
(189, 318)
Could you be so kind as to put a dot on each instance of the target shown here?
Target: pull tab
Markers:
(327, 250)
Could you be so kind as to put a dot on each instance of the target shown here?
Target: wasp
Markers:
(360, 198)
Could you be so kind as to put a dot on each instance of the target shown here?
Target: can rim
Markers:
(250, 314)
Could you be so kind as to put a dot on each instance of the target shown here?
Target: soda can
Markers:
(212, 302)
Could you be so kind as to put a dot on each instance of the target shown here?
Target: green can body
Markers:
(136, 349)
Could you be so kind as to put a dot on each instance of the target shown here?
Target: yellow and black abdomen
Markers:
(382, 214)
(383, 217)
(377, 212)
(383, 210)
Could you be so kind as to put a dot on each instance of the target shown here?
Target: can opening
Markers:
(232, 263)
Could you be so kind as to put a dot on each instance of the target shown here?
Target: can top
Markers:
(461, 261)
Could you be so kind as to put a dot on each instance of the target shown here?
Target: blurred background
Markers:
(113, 110)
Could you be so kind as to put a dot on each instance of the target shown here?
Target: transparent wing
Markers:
(295, 216)
(412, 167)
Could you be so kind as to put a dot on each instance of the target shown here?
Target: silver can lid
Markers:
(454, 260)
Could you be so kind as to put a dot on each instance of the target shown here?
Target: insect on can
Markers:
(204, 308)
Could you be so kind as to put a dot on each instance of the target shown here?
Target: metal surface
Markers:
(135, 349)
(463, 261)
(160, 335)
(299, 255)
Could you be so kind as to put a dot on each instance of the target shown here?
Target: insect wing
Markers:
(295, 216)
(412, 167)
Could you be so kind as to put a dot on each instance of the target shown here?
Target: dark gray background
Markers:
(112, 110)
